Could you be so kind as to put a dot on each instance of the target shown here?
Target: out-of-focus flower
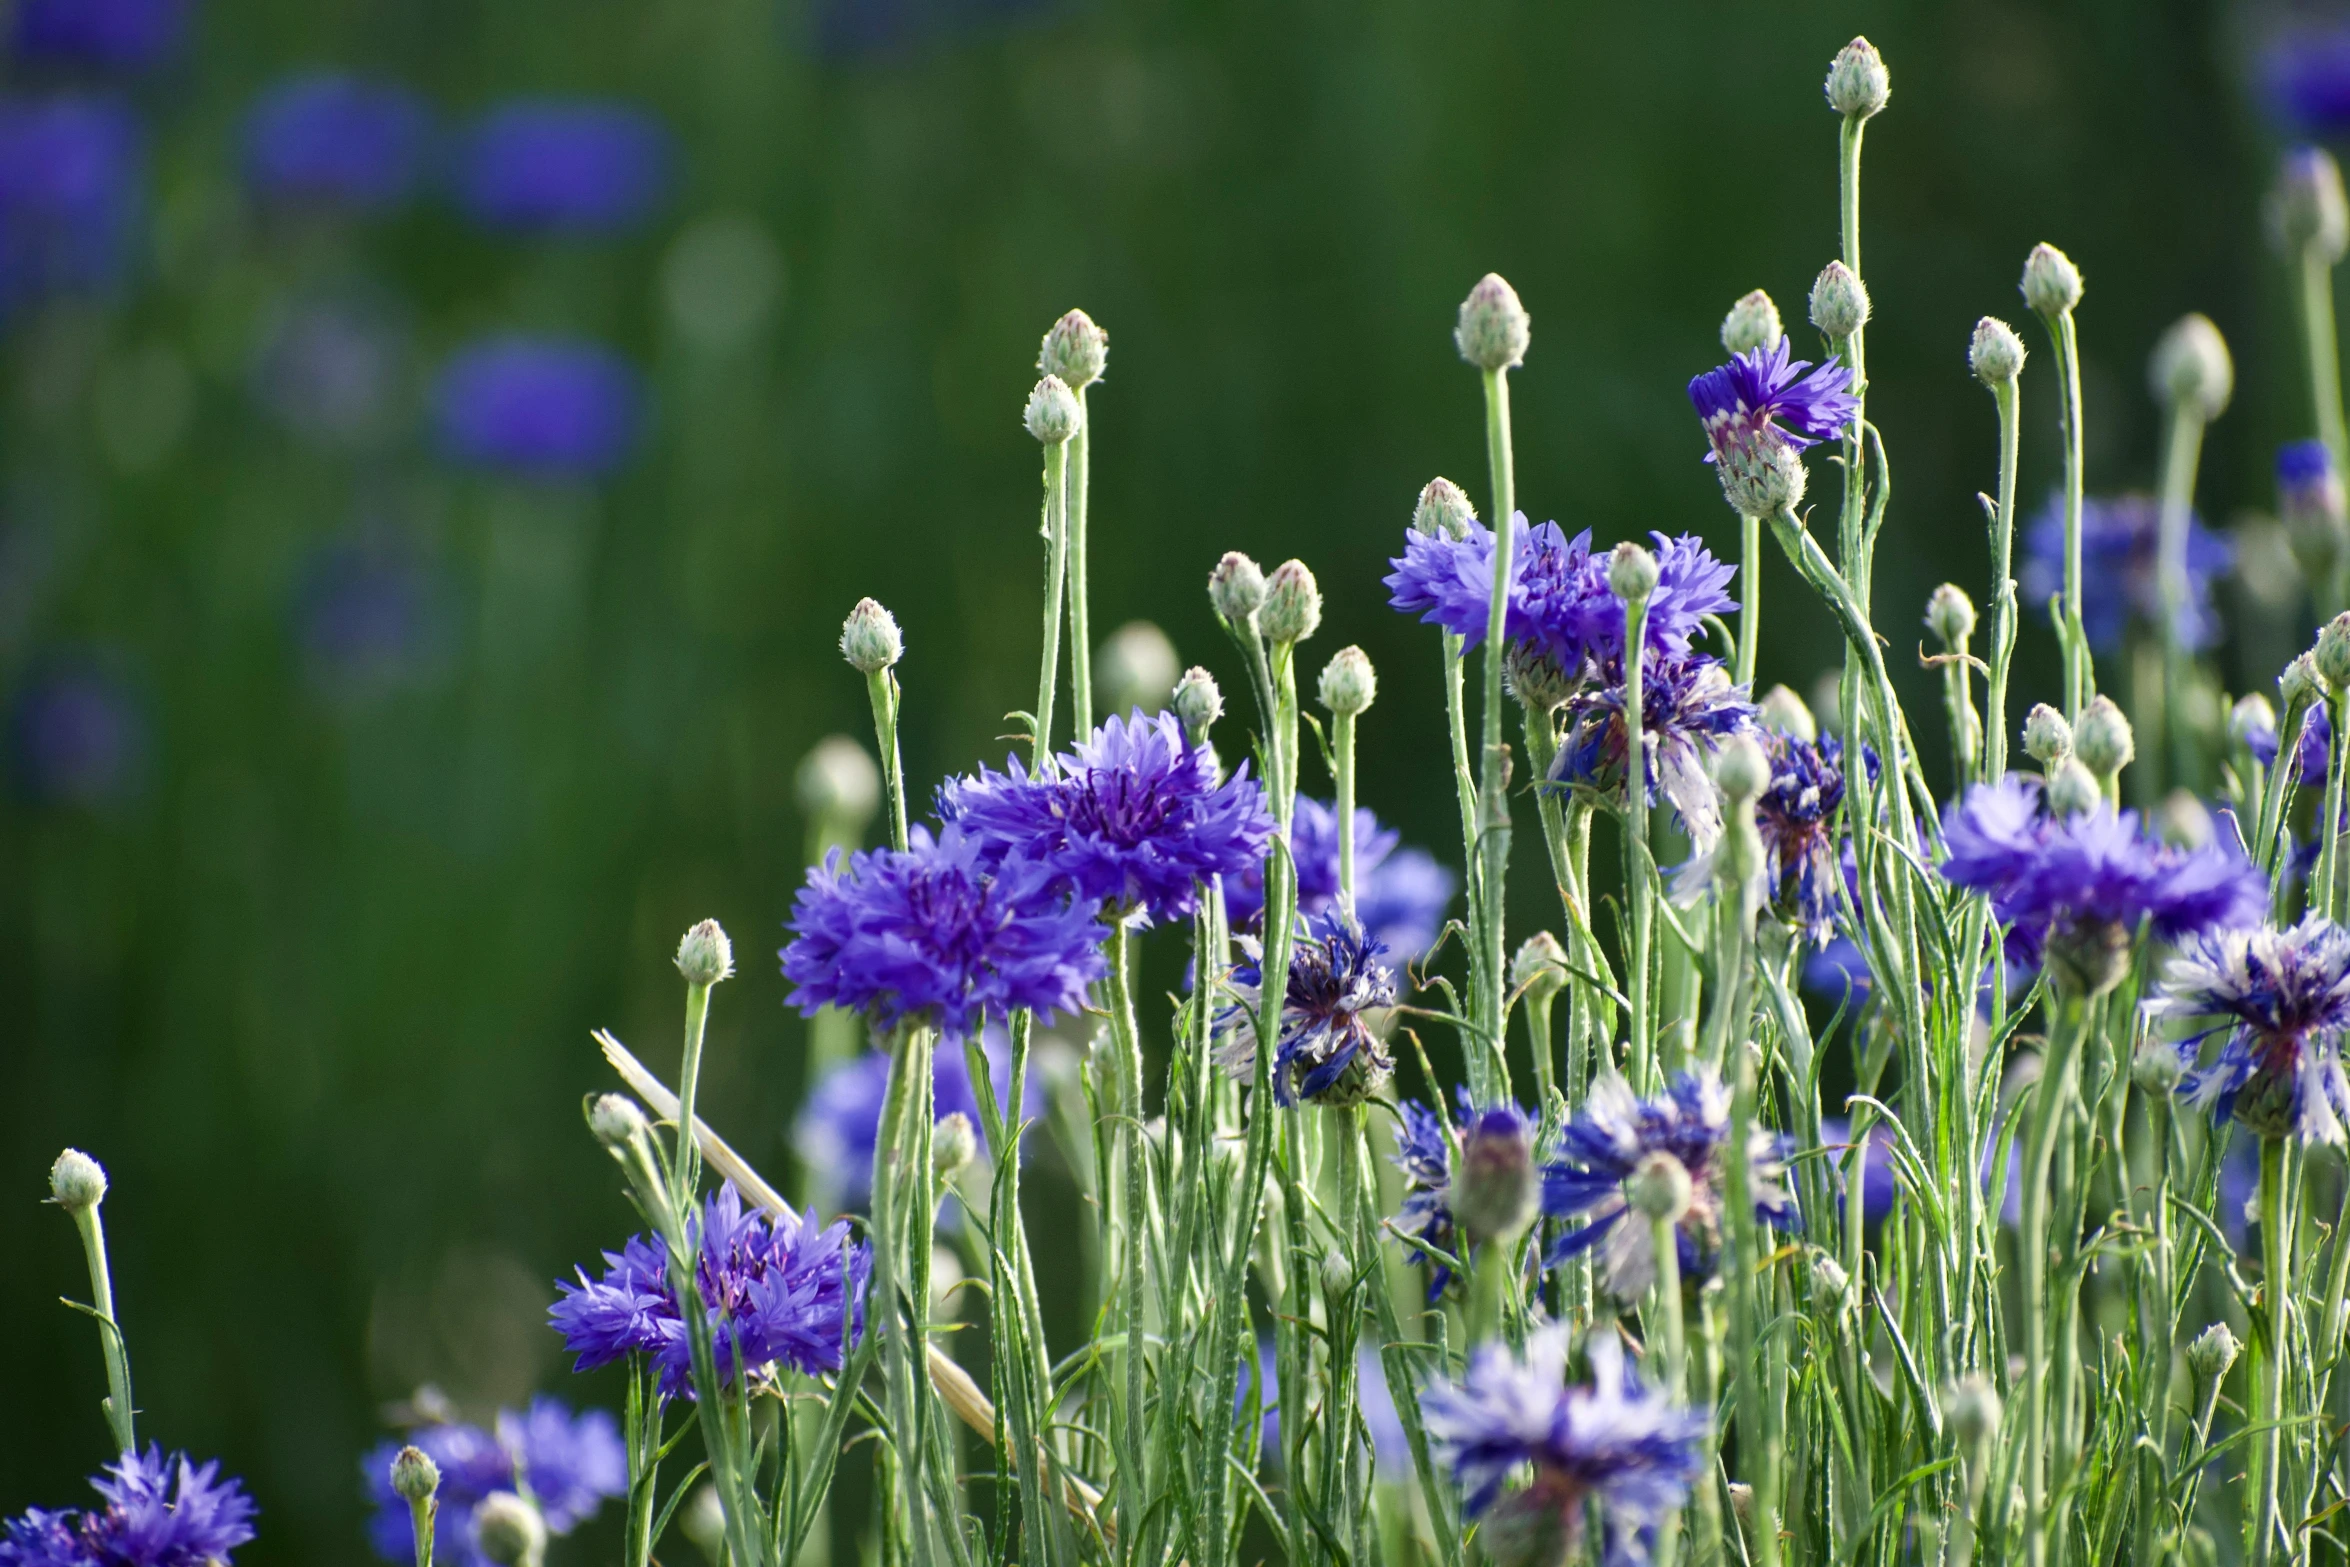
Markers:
(552, 166)
(2313, 752)
(841, 1120)
(332, 368)
(159, 1512)
(2119, 582)
(102, 35)
(541, 408)
(69, 195)
(326, 139)
(76, 737)
(572, 1464)
(1400, 894)
(367, 620)
(2305, 77)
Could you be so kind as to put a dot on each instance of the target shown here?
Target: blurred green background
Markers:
(313, 972)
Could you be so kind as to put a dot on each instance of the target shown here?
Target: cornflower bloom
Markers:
(1688, 707)
(1400, 894)
(571, 1463)
(779, 1291)
(332, 140)
(76, 736)
(945, 931)
(838, 1126)
(2074, 890)
(540, 408)
(1425, 1157)
(1133, 817)
(562, 167)
(2120, 538)
(2305, 76)
(158, 1512)
(1796, 815)
(1329, 1051)
(1600, 1149)
(1759, 411)
(1491, 1191)
(106, 35)
(2283, 1000)
(1613, 1441)
(69, 195)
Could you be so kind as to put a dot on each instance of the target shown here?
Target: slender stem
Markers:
(2050, 1104)
(1750, 595)
(882, 687)
(897, 1274)
(1664, 1240)
(119, 1411)
(2080, 673)
(1851, 545)
(423, 1512)
(2325, 889)
(1056, 553)
(1079, 491)
(1493, 767)
(2276, 1288)
(1133, 1489)
(2003, 607)
(2183, 452)
(1342, 746)
(2324, 356)
(1639, 891)
(689, 1076)
(1464, 776)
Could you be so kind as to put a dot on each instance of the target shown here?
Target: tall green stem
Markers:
(2276, 1288)
(2007, 393)
(1664, 1240)
(689, 1077)
(2182, 454)
(1133, 1488)
(120, 1415)
(1493, 767)
(1639, 884)
(1750, 597)
(1056, 552)
(2050, 1105)
(882, 687)
(1342, 748)
(2080, 674)
(2323, 354)
(2325, 889)
(1079, 490)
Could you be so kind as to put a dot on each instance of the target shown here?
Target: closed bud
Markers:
(954, 1143)
(704, 955)
(1494, 328)
(509, 1530)
(615, 1120)
(1539, 682)
(1829, 1280)
(2155, 1067)
(1741, 770)
(1293, 603)
(1971, 1405)
(1659, 1188)
(1135, 668)
(2299, 685)
(2103, 739)
(1052, 415)
(1996, 354)
(1752, 323)
(77, 1182)
(2333, 652)
(1782, 711)
(837, 782)
(414, 1475)
(1950, 615)
(2251, 720)
(2184, 821)
(1761, 478)
(2072, 789)
(1075, 351)
(1839, 301)
(1858, 83)
(1236, 587)
(2212, 1352)
(2052, 284)
(1631, 572)
(1540, 967)
(2191, 370)
(1443, 511)
(1827, 701)
(1741, 1502)
(1494, 1191)
(1199, 702)
(2306, 211)
(2048, 739)
(703, 1518)
(1348, 682)
(869, 638)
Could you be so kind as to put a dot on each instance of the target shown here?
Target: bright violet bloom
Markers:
(1614, 1442)
(1762, 398)
(2283, 997)
(336, 141)
(1688, 707)
(1400, 894)
(1601, 1148)
(539, 408)
(1329, 1052)
(839, 1124)
(562, 167)
(2120, 536)
(948, 932)
(572, 1464)
(158, 1512)
(777, 1287)
(1797, 815)
(1134, 817)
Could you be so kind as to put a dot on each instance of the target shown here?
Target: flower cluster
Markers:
(1400, 894)
(1688, 707)
(570, 1463)
(1330, 1051)
(841, 1120)
(158, 1512)
(2284, 1000)
(2120, 540)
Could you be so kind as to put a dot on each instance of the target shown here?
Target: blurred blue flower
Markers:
(2305, 77)
(367, 620)
(331, 368)
(571, 1464)
(1688, 707)
(69, 195)
(841, 1120)
(2119, 583)
(1401, 894)
(1425, 1158)
(553, 166)
(76, 737)
(107, 35)
(542, 408)
(2313, 752)
(1838, 969)
(333, 140)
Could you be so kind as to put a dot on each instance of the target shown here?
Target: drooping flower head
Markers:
(539, 408)
(331, 140)
(2074, 890)
(571, 1463)
(1688, 707)
(2120, 538)
(1600, 1150)
(777, 1287)
(1329, 1051)
(947, 931)
(1133, 817)
(554, 166)
(1759, 411)
(838, 1125)
(1400, 894)
(158, 1512)
(2283, 1001)
(1614, 1441)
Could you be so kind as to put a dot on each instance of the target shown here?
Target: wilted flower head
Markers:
(1400, 894)
(1329, 1052)
(331, 140)
(158, 1512)
(553, 166)
(2119, 580)
(841, 1121)
(540, 408)
(571, 1463)
(1688, 706)
(2284, 998)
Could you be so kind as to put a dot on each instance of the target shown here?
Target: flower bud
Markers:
(2072, 788)
(2103, 740)
(1538, 681)
(2333, 652)
(1348, 683)
(1198, 702)
(2155, 1067)
(1494, 1191)
(1236, 587)
(2184, 821)
(703, 1518)
(615, 1120)
(2306, 211)
(1540, 967)
(2250, 719)
(1494, 328)
(2052, 284)
(1659, 1188)
(414, 1475)
(2212, 1352)
(1135, 668)
(77, 1182)
(1839, 301)
(2048, 739)
(1996, 355)
(1858, 83)
(1829, 1280)
(2191, 370)
(1971, 1405)
(869, 638)
(954, 1143)
(1782, 711)
(1950, 615)
(509, 1530)
(1631, 572)
(1741, 770)
(1075, 351)
(1443, 511)
(1052, 415)
(1293, 603)
(704, 955)
(1761, 477)
(837, 782)
(1752, 323)
(2299, 685)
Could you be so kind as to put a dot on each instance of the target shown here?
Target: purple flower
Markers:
(2076, 889)
(1601, 1148)
(2283, 1000)
(562, 167)
(2306, 480)
(2305, 77)
(116, 35)
(1688, 707)
(2120, 536)
(69, 195)
(1329, 1051)
(838, 1125)
(1133, 817)
(159, 1512)
(948, 931)
(1425, 1157)
(1614, 1441)
(2313, 751)
(1400, 894)
(76, 737)
(368, 621)
(1759, 412)
(542, 408)
(331, 140)
(1796, 816)
(1839, 969)
(778, 1289)
(333, 369)
(571, 1463)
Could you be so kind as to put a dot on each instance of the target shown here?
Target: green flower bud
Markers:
(2184, 821)
(1293, 603)
(414, 1475)
(2300, 685)
(1761, 478)
(1236, 588)
(1839, 301)
(616, 1121)
(2333, 651)
(1631, 572)
(1052, 415)
(1741, 770)
(2307, 211)
(1135, 668)
(1075, 351)
(1443, 511)
(1540, 967)
(1660, 1188)
(1996, 354)
(77, 1182)
(1829, 1281)
(2155, 1067)
(1858, 83)
(1348, 682)
(1782, 711)
(704, 955)
(869, 638)
(1950, 615)
(2102, 739)
(1752, 323)
(837, 782)
(2052, 284)
(1494, 328)
(1971, 1405)
(2191, 370)
(1537, 680)
(2048, 739)
(1494, 1192)
(2212, 1352)
(954, 1143)
(1198, 702)
(509, 1530)
(2072, 788)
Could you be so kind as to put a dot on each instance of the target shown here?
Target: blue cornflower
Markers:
(2073, 891)
(328, 139)
(839, 1123)
(2306, 480)
(542, 408)
(571, 1463)
(1425, 1157)
(1490, 1192)
(777, 1288)
(2120, 536)
(76, 736)
(1614, 1441)
(562, 167)
(69, 195)
(159, 1512)
(1400, 894)
(1133, 817)
(1760, 409)
(2305, 76)
(1600, 1149)
(1688, 707)
(107, 35)
(1329, 1051)
(2284, 998)
(1796, 816)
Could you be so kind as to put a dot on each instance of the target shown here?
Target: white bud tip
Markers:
(2048, 739)
(2052, 284)
(1293, 603)
(2191, 369)
(2333, 652)
(1996, 354)
(1752, 323)
(1782, 710)
(1198, 701)
(837, 782)
(1135, 667)
(1540, 966)
(1950, 615)
(414, 1475)
(1443, 510)
(1839, 301)
(1858, 83)
(2102, 739)
(509, 1530)
(1660, 1188)
(704, 955)
(77, 1181)
(1236, 587)
(1631, 572)
(1741, 769)
(615, 1120)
